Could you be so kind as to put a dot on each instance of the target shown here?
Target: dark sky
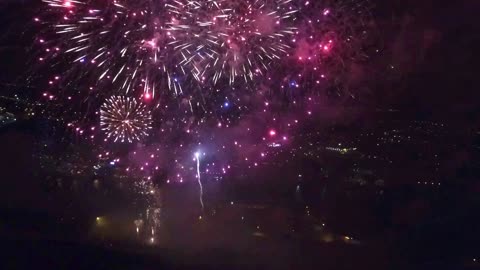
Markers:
(435, 46)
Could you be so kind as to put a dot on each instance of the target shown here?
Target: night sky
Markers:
(364, 153)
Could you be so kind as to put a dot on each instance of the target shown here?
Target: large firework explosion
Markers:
(227, 39)
(125, 119)
(143, 46)
(114, 44)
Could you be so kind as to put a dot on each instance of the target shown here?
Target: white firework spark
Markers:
(125, 119)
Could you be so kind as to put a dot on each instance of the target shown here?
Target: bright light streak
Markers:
(197, 157)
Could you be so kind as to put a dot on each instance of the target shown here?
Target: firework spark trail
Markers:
(197, 157)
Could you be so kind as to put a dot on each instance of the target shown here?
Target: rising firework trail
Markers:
(197, 157)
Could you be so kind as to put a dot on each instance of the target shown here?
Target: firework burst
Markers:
(216, 39)
(114, 44)
(125, 119)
